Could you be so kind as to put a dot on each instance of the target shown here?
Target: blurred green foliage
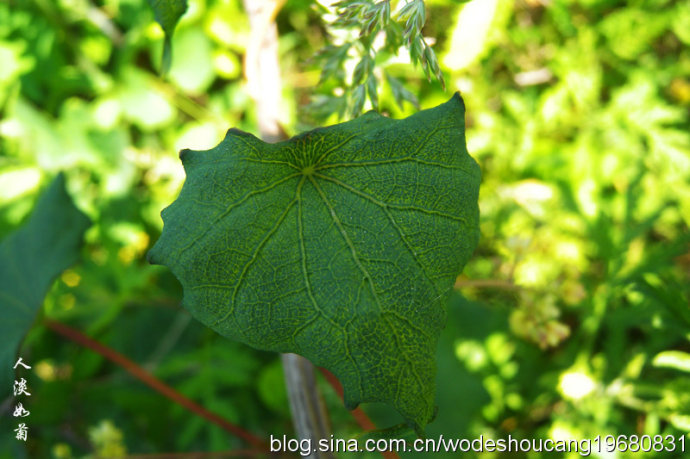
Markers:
(571, 321)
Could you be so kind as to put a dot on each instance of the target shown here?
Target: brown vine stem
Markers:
(200, 455)
(360, 416)
(155, 383)
(486, 283)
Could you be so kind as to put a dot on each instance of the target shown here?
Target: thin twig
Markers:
(156, 384)
(308, 409)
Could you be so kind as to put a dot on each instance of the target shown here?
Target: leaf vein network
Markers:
(333, 148)
(368, 278)
(391, 219)
(229, 209)
(379, 162)
(386, 205)
(255, 255)
(321, 312)
(272, 161)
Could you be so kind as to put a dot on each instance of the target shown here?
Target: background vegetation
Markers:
(572, 319)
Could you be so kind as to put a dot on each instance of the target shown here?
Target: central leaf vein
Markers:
(303, 250)
(368, 278)
(384, 206)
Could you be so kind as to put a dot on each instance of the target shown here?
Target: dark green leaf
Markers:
(168, 13)
(30, 259)
(340, 245)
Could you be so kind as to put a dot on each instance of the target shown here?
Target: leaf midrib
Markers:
(370, 281)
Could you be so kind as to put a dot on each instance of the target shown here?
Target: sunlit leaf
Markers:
(673, 359)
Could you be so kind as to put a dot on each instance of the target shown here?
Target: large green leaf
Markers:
(340, 244)
(30, 259)
(167, 13)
